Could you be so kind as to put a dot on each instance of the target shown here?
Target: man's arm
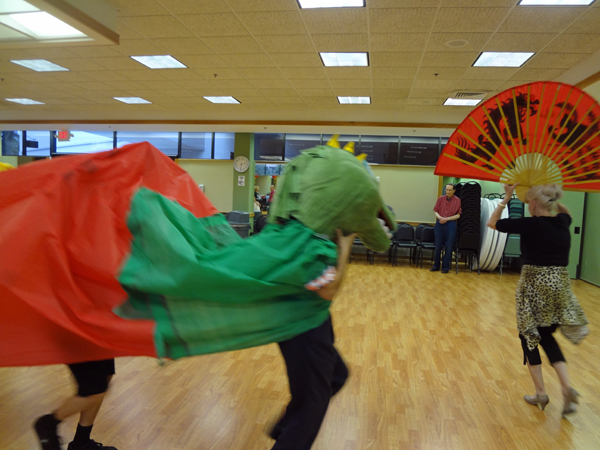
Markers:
(344, 244)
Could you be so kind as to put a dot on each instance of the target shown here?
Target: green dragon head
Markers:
(328, 188)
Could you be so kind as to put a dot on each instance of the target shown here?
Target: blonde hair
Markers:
(545, 195)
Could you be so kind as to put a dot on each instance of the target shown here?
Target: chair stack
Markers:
(516, 210)
(469, 222)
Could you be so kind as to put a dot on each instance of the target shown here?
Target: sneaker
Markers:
(91, 445)
(45, 428)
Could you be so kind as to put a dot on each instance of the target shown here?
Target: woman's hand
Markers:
(509, 189)
(345, 242)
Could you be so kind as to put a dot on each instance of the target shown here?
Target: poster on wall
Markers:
(419, 151)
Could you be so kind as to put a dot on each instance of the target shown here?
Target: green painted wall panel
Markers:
(590, 257)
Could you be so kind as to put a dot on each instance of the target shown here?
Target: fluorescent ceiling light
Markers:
(344, 59)
(39, 65)
(355, 100)
(221, 99)
(461, 102)
(43, 25)
(305, 4)
(556, 2)
(502, 59)
(132, 100)
(24, 101)
(160, 62)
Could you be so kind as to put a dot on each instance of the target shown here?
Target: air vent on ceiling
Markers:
(468, 95)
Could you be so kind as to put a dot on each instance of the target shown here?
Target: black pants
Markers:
(316, 372)
(445, 236)
(92, 377)
(549, 345)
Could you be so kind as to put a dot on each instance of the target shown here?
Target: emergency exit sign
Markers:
(64, 135)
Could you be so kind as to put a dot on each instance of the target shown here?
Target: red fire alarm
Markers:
(64, 135)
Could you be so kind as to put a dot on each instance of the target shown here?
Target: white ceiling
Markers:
(265, 54)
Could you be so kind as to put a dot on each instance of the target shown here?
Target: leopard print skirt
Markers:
(544, 298)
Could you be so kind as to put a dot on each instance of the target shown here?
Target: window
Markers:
(37, 143)
(419, 151)
(12, 143)
(196, 145)
(86, 142)
(379, 149)
(167, 141)
(295, 143)
(269, 147)
(224, 145)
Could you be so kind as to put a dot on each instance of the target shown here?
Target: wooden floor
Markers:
(435, 364)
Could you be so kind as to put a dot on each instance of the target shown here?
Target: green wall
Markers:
(574, 202)
(215, 175)
(590, 256)
(243, 196)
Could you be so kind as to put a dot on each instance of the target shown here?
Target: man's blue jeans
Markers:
(445, 235)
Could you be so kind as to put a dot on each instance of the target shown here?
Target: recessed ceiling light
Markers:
(355, 100)
(456, 43)
(305, 4)
(39, 65)
(222, 100)
(502, 59)
(132, 100)
(41, 25)
(24, 101)
(461, 102)
(344, 59)
(160, 62)
(556, 2)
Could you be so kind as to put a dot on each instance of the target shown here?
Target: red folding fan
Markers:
(537, 133)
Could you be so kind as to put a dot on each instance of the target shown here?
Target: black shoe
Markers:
(45, 428)
(434, 269)
(91, 445)
(445, 270)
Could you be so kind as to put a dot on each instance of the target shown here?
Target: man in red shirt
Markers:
(447, 210)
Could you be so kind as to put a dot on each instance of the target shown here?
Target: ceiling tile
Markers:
(194, 6)
(301, 72)
(92, 85)
(403, 4)
(351, 92)
(279, 92)
(476, 20)
(219, 73)
(201, 61)
(50, 52)
(555, 60)
(539, 20)
(138, 7)
(95, 51)
(118, 63)
(478, 3)
(273, 22)
(341, 42)
(393, 72)
(141, 75)
(232, 83)
(351, 83)
(270, 83)
(159, 85)
(322, 101)
(157, 26)
(125, 85)
(195, 84)
(105, 75)
(519, 42)
(474, 42)
(531, 75)
(389, 83)
(180, 74)
(434, 84)
(405, 20)
(348, 72)
(426, 101)
(294, 43)
(576, 43)
(260, 73)
(233, 44)
(182, 46)
(263, 5)
(79, 64)
(308, 83)
(588, 22)
(70, 77)
(260, 60)
(398, 42)
(126, 32)
(138, 47)
(206, 25)
(307, 92)
(296, 59)
(489, 73)
(440, 73)
(429, 93)
(253, 100)
(335, 20)
(286, 100)
(388, 59)
(440, 59)
(390, 93)
(477, 85)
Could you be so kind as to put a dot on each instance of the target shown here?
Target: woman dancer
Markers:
(544, 297)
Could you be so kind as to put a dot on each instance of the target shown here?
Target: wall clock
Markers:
(241, 164)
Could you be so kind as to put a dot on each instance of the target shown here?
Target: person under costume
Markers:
(544, 300)
(134, 260)
(447, 211)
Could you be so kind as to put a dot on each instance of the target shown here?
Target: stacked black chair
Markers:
(426, 241)
(259, 222)
(469, 224)
(516, 210)
(403, 237)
